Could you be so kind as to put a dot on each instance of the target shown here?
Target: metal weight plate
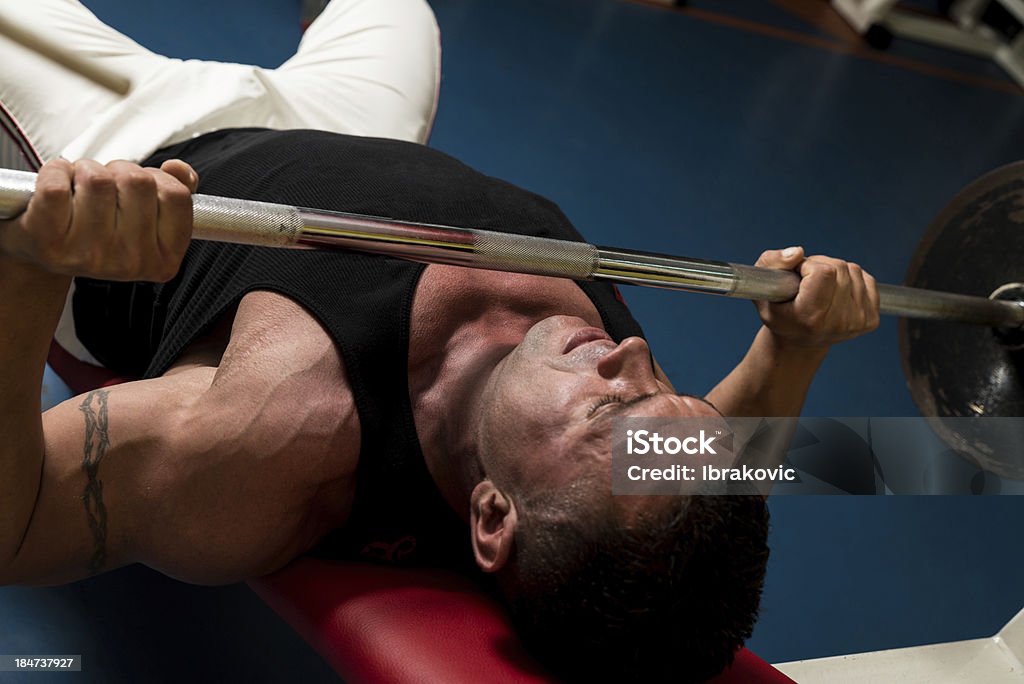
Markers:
(974, 246)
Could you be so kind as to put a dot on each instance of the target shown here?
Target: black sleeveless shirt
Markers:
(363, 301)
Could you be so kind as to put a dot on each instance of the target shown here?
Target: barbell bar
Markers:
(276, 225)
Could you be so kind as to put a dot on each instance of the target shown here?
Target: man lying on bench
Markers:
(360, 407)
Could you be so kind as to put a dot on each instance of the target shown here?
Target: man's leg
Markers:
(364, 67)
(52, 105)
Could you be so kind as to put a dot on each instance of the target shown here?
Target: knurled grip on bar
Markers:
(214, 218)
(222, 219)
(539, 256)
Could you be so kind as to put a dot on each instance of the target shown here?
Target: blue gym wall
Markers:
(715, 133)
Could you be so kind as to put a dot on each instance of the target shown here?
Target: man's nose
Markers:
(632, 358)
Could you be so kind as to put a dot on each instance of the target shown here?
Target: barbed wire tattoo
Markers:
(97, 441)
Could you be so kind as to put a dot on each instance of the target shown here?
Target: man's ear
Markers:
(492, 520)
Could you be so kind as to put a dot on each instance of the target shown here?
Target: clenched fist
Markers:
(117, 221)
(837, 300)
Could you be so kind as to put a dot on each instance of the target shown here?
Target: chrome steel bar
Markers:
(911, 302)
(447, 245)
(275, 225)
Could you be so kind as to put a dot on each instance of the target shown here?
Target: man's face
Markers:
(549, 403)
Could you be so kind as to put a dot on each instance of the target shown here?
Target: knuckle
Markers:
(177, 194)
(49, 185)
(823, 270)
(137, 179)
(97, 180)
(51, 190)
(59, 164)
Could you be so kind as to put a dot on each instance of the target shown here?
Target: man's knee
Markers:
(392, 48)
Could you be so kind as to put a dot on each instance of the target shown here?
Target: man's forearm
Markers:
(771, 380)
(31, 301)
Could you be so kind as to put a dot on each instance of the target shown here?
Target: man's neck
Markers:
(463, 324)
(446, 388)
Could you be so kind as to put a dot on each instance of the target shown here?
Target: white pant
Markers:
(365, 67)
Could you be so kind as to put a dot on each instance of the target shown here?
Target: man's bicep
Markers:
(101, 470)
(129, 476)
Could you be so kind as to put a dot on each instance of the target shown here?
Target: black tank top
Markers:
(363, 301)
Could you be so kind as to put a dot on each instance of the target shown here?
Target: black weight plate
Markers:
(974, 246)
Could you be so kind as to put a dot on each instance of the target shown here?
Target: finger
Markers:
(39, 232)
(134, 236)
(788, 259)
(174, 222)
(184, 173)
(817, 288)
(94, 212)
(871, 287)
(859, 296)
(842, 275)
(53, 192)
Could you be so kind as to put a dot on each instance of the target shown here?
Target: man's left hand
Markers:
(837, 300)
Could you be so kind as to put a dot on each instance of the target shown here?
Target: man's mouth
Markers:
(581, 337)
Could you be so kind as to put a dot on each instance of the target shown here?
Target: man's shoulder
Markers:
(280, 363)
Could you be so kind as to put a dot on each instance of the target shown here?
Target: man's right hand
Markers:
(114, 222)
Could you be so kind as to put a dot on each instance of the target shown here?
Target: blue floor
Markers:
(680, 133)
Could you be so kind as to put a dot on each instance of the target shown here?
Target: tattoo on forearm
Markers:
(97, 441)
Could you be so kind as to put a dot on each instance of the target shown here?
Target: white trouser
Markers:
(365, 67)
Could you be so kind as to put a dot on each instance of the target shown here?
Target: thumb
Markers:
(182, 171)
(787, 259)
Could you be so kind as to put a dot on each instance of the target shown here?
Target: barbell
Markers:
(264, 224)
(983, 225)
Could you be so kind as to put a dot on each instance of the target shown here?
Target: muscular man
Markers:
(292, 396)
(357, 406)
